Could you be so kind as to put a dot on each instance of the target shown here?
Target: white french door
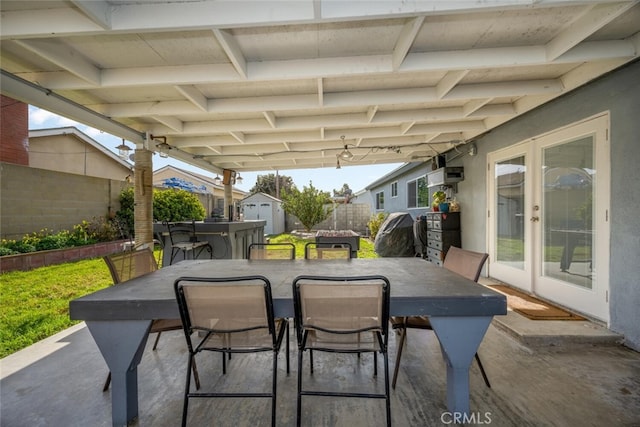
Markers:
(548, 216)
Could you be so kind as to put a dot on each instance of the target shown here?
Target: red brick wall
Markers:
(14, 132)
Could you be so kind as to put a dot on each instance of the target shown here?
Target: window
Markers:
(380, 200)
(418, 193)
(394, 189)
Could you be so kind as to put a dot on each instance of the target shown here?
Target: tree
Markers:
(267, 184)
(310, 205)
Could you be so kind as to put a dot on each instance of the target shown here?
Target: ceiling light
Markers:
(123, 150)
(346, 154)
(338, 163)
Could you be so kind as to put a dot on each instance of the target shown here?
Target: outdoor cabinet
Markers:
(443, 231)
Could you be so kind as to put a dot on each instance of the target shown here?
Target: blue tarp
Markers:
(182, 184)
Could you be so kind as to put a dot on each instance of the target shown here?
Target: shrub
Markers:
(87, 232)
(176, 205)
(375, 222)
(168, 205)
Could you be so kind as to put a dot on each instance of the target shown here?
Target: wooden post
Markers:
(143, 196)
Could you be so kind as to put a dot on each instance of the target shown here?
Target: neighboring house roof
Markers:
(394, 174)
(195, 178)
(264, 195)
(71, 130)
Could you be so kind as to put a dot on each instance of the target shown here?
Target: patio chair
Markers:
(274, 251)
(271, 251)
(342, 315)
(128, 265)
(313, 250)
(229, 315)
(125, 233)
(183, 238)
(466, 263)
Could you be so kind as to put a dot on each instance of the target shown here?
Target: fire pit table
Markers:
(329, 238)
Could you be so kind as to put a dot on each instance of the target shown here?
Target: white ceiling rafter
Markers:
(233, 51)
(406, 39)
(588, 23)
(276, 84)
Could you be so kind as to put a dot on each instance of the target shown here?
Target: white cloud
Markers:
(39, 119)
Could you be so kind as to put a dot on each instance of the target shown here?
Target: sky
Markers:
(326, 179)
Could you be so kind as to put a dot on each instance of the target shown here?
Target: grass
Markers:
(35, 304)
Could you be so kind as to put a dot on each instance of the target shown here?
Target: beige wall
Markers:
(32, 199)
(68, 153)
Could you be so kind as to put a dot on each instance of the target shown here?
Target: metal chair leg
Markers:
(484, 375)
(403, 333)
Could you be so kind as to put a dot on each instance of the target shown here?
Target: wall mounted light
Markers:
(473, 149)
(217, 180)
(238, 178)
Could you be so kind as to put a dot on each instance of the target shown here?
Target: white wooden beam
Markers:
(270, 117)
(98, 11)
(171, 122)
(406, 39)
(239, 136)
(449, 81)
(193, 95)
(585, 25)
(233, 51)
(63, 56)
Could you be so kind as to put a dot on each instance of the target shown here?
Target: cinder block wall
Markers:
(352, 216)
(33, 199)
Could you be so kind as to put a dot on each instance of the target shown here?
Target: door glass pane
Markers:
(510, 180)
(569, 182)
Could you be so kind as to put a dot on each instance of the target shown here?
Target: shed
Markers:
(261, 206)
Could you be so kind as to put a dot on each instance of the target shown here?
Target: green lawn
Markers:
(35, 304)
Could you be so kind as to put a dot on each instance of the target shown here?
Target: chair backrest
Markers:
(236, 308)
(271, 251)
(313, 250)
(341, 305)
(130, 264)
(466, 263)
(181, 231)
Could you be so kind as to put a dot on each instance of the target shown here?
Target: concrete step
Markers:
(535, 333)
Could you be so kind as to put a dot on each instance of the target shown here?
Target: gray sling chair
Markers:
(466, 263)
(342, 315)
(271, 251)
(128, 265)
(229, 315)
(327, 251)
(183, 238)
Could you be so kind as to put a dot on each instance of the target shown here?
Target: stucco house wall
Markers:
(617, 93)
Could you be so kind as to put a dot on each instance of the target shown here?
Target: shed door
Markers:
(265, 212)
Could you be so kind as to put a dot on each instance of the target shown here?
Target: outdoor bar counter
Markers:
(230, 240)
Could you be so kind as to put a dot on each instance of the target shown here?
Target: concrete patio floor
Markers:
(542, 374)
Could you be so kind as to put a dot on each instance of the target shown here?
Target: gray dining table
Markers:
(460, 311)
